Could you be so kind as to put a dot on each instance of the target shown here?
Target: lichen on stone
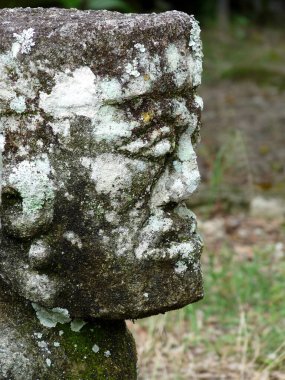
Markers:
(24, 41)
(195, 45)
(50, 318)
(31, 179)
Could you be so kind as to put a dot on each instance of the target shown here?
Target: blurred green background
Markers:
(259, 11)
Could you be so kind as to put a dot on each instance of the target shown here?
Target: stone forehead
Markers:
(65, 63)
(91, 36)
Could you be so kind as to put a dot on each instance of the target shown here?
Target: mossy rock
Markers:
(101, 350)
(30, 351)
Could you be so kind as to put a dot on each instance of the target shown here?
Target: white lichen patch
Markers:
(24, 42)
(185, 253)
(179, 180)
(2, 147)
(74, 94)
(141, 145)
(18, 104)
(14, 358)
(173, 57)
(158, 224)
(56, 344)
(140, 47)
(132, 68)
(161, 148)
(2, 142)
(185, 151)
(113, 173)
(177, 64)
(51, 317)
(77, 324)
(7, 92)
(112, 217)
(23, 151)
(15, 93)
(38, 335)
(95, 348)
(184, 250)
(154, 146)
(68, 196)
(135, 146)
(43, 344)
(196, 58)
(110, 89)
(180, 267)
(199, 102)
(109, 125)
(149, 72)
(73, 238)
(82, 93)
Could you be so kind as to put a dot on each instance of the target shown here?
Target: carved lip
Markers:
(168, 230)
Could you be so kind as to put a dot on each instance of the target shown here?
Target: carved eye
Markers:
(11, 198)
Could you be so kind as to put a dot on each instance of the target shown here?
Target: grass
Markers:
(252, 289)
(231, 158)
(236, 332)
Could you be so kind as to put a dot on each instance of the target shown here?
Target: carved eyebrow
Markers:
(156, 143)
(147, 128)
(152, 140)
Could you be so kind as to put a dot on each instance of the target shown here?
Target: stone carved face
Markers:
(96, 167)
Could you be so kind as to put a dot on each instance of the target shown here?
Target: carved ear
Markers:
(28, 197)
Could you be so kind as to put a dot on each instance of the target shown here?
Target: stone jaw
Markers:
(87, 90)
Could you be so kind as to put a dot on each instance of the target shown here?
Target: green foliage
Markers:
(264, 76)
(119, 5)
(71, 3)
(245, 53)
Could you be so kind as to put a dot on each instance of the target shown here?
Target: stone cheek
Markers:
(99, 121)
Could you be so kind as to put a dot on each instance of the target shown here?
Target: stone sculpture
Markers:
(99, 118)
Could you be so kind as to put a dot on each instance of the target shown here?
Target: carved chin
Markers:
(161, 280)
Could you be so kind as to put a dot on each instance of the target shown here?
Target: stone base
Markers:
(30, 351)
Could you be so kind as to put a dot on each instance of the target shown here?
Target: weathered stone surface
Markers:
(99, 117)
(31, 351)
